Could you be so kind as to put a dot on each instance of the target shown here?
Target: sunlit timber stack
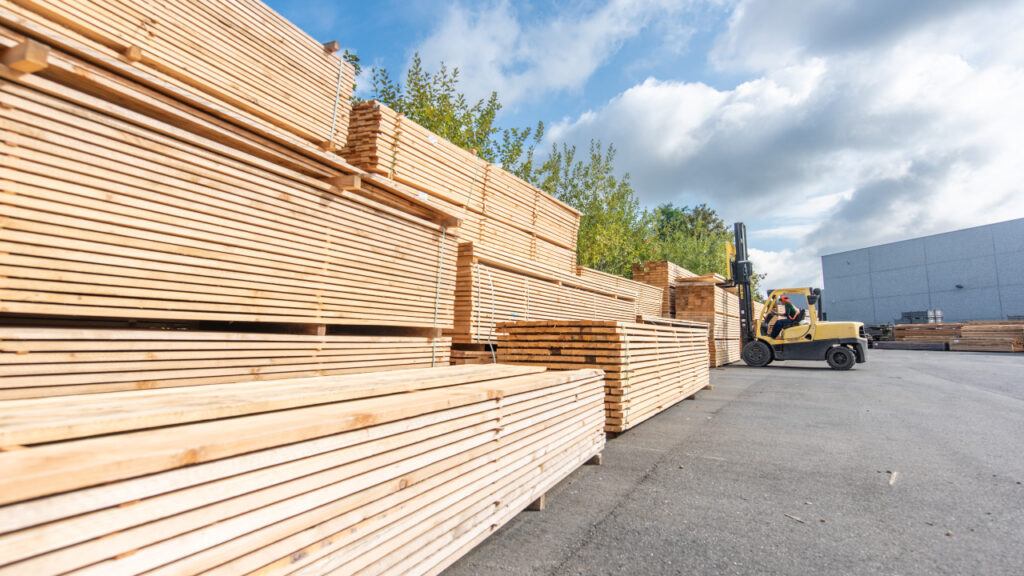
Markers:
(703, 299)
(517, 257)
(191, 270)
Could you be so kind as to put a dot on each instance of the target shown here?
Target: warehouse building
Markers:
(971, 274)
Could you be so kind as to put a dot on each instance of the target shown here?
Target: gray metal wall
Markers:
(875, 285)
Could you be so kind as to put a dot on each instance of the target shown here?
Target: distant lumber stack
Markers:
(490, 291)
(664, 275)
(938, 333)
(990, 337)
(400, 473)
(648, 368)
(700, 299)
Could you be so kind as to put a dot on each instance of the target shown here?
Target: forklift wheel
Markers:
(840, 358)
(757, 354)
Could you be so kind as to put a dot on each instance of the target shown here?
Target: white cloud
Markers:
(861, 123)
(495, 50)
(786, 269)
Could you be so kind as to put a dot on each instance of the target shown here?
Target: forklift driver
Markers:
(791, 318)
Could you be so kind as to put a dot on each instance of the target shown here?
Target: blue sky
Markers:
(824, 125)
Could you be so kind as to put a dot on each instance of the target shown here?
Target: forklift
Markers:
(802, 335)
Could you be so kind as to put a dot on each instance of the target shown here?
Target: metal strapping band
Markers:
(337, 97)
(490, 331)
(394, 149)
(437, 297)
(629, 370)
(527, 278)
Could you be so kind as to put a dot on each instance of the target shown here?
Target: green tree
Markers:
(695, 238)
(614, 230)
(435, 102)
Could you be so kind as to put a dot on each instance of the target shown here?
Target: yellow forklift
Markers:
(789, 326)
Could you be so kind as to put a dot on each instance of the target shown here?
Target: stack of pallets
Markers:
(664, 275)
(399, 473)
(701, 300)
(996, 336)
(648, 368)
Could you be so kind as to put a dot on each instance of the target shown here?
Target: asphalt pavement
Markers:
(909, 464)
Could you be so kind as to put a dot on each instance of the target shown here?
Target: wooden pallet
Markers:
(648, 368)
(489, 291)
(385, 142)
(397, 473)
(59, 361)
(664, 275)
(110, 218)
(237, 55)
(703, 301)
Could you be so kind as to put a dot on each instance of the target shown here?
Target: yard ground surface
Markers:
(909, 464)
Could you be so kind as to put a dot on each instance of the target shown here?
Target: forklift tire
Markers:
(840, 358)
(757, 354)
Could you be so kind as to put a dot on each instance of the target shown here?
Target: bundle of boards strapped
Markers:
(700, 299)
(399, 473)
(648, 368)
(490, 291)
(498, 211)
(141, 186)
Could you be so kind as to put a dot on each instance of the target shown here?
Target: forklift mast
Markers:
(742, 270)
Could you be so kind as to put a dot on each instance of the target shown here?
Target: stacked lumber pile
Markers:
(163, 164)
(648, 368)
(57, 361)
(399, 473)
(997, 336)
(499, 212)
(937, 333)
(238, 59)
(108, 218)
(664, 275)
(701, 300)
(489, 291)
(648, 297)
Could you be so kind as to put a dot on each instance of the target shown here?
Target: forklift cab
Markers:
(805, 300)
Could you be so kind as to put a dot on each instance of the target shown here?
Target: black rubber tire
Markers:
(757, 354)
(841, 358)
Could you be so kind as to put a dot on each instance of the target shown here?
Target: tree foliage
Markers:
(695, 238)
(614, 230)
(435, 102)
